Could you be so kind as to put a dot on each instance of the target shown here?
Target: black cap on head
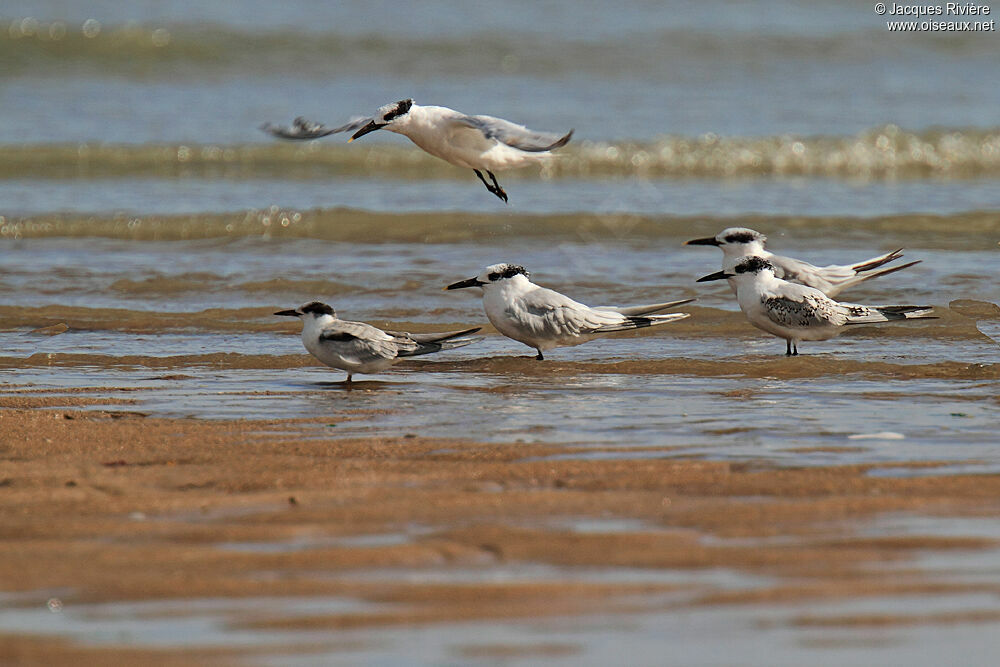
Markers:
(316, 308)
(744, 236)
(402, 107)
(754, 265)
(501, 271)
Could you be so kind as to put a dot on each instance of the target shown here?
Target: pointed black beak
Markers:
(718, 275)
(370, 127)
(288, 313)
(471, 282)
(706, 241)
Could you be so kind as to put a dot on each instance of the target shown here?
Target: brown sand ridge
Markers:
(125, 507)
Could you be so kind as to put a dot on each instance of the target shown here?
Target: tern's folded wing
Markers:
(411, 345)
(433, 337)
(550, 313)
(835, 278)
(647, 309)
(791, 269)
(359, 342)
(514, 135)
(804, 310)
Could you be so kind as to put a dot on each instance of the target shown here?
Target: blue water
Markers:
(625, 70)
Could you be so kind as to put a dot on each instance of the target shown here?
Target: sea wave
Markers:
(31, 45)
(972, 230)
(883, 153)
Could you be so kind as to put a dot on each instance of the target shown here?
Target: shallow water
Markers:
(147, 301)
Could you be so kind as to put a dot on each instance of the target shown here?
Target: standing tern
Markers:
(543, 319)
(480, 143)
(738, 243)
(357, 347)
(798, 312)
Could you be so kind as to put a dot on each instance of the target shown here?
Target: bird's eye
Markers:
(493, 277)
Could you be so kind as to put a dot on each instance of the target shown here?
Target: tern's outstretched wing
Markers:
(359, 342)
(514, 135)
(304, 130)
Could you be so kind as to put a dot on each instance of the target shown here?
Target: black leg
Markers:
(539, 357)
(483, 179)
(788, 347)
(347, 384)
(499, 193)
(499, 190)
(795, 349)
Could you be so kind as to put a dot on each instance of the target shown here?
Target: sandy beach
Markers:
(105, 508)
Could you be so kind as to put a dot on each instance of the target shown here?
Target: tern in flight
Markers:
(481, 143)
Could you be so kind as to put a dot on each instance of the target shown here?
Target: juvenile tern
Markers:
(738, 243)
(480, 143)
(357, 347)
(798, 312)
(543, 319)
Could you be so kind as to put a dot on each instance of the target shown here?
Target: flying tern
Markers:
(543, 319)
(357, 347)
(738, 243)
(480, 143)
(798, 312)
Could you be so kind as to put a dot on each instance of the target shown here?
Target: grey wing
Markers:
(433, 337)
(555, 314)
(804, 310)
(647, 309)
(303, 130)
(514, 135)
(835, 278)
(411, 345)
(360, 342)
(788, 268)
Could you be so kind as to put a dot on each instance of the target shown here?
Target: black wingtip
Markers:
(459, 334)
(563, 141)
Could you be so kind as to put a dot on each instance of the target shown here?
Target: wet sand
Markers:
(115, 507)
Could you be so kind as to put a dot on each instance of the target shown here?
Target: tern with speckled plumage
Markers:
(798, 312)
